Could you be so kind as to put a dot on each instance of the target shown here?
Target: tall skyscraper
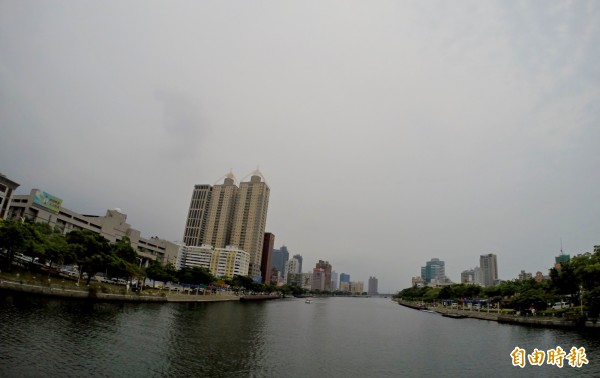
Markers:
(299, 258)
(334, 281)
(489, 269)
(220, 214)
(344, 278)
(250, 219)
(326, 267)
(372, 290)
(280, 257)
(225, 215)
(265, 264)
(195, 226)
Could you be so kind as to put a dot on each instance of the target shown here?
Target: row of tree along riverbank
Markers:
(93, 294)
(503, 317)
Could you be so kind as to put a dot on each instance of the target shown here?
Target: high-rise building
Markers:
(220, 214)
(327, 272)
(197, 215)
(250, 219)
(489, 269)
(334, 280)
(280, 257)
(299, 258)
(318, 279)
(225, 215)
(435, 269)
(265, 264)
(291, 267)
(344, 278)
(372, 286)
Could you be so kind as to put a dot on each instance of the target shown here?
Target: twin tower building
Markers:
(227, 215)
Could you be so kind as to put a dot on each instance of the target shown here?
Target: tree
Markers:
(91, 250)
(14, 238)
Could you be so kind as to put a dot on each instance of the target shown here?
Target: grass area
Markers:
(43, 279)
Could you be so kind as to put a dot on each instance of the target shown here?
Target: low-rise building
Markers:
(39, 206)
(221, 262)
(7, 188)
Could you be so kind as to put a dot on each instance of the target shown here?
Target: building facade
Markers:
(373, 282)
(221, 262)
(7, 188)
(267, 254)
(195, 226)
(280, 257)
(39, 206)
(326, 267)
(250, 219)
(334, 280)
(291, 267)
(435, 269)
(318, 279)
(299, 258)
(227, 215)
(344, 277)
(489, 269)
(356, 288)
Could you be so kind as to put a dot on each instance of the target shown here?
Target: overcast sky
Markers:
(389, 132)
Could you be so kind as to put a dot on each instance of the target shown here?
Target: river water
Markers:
(332, 337)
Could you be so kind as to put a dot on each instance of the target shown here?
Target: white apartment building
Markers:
(221, 262)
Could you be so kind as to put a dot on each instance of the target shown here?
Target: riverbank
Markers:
(531, 321)
(95, 294)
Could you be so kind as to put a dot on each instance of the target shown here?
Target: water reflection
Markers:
(333, 337)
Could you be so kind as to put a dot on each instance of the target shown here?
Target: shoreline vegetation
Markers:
(568, 297)
(500, 316)
(28, 283)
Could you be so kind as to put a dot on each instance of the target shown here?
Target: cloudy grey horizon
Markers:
(389, 133)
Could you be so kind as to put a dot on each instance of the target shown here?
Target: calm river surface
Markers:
(332, 337)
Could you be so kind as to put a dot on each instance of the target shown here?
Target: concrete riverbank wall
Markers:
(94, 295)
(532, 321)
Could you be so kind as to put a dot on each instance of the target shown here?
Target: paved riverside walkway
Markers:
(217, 297)
(534, 321)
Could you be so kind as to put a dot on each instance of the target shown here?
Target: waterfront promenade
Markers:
(151, 296)
(492, 315)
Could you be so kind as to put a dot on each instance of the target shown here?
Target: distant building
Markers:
(471, 276)
(523, 276)
(417, 281)
(274, 276)
(562, 259)
(280, 257)
(334, 280)
(299, 258)
(318, 279)
(39, 206)
(306, 281)
(291, 267)
(7, 188)
(539, 277)
(327, 272)
(489, 269)
(372, 286)
(435, 269)
(267, 252)
(344, 278)
(356, 288)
